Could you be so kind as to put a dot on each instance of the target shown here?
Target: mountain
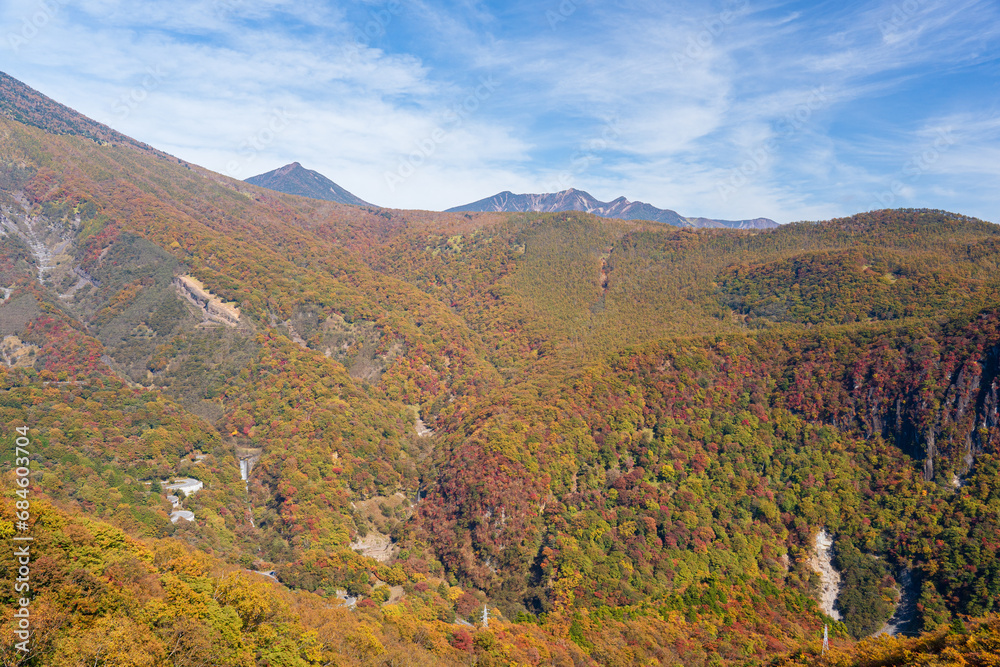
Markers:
(621, 209)
(26, 105)
(629, 443)
(753, 223)
(294, 179)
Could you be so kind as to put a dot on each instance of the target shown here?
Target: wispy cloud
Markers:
(813, 108)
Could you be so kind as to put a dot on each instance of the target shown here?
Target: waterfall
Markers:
(246, 465)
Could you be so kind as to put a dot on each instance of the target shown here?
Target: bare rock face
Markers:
(822, 563)
(892, 400)
(215, 309)
(375, 545)
(17, 354)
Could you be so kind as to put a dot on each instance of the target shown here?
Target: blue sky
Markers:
(731, 109)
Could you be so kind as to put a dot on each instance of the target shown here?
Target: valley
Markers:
(630, 442)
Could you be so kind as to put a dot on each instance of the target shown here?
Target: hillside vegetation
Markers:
(633, 432)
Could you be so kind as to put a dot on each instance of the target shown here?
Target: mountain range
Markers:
(244, 430)
(620, 209)
(294, 179)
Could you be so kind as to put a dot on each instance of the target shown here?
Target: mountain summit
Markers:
(621, 208)
(294, 179)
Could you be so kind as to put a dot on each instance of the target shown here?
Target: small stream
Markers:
(904, 617)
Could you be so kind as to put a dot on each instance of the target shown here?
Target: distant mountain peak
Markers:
(620, 208)
(294, 179)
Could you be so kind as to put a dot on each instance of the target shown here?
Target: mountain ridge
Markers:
(619, 209)
(24, 104)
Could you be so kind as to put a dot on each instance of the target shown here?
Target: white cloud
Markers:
(692, 91)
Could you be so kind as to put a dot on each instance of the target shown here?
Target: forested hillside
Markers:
(618, 438)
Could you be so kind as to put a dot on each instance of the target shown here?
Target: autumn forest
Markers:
(481, 438)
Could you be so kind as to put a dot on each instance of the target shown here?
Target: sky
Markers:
(731, 109)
